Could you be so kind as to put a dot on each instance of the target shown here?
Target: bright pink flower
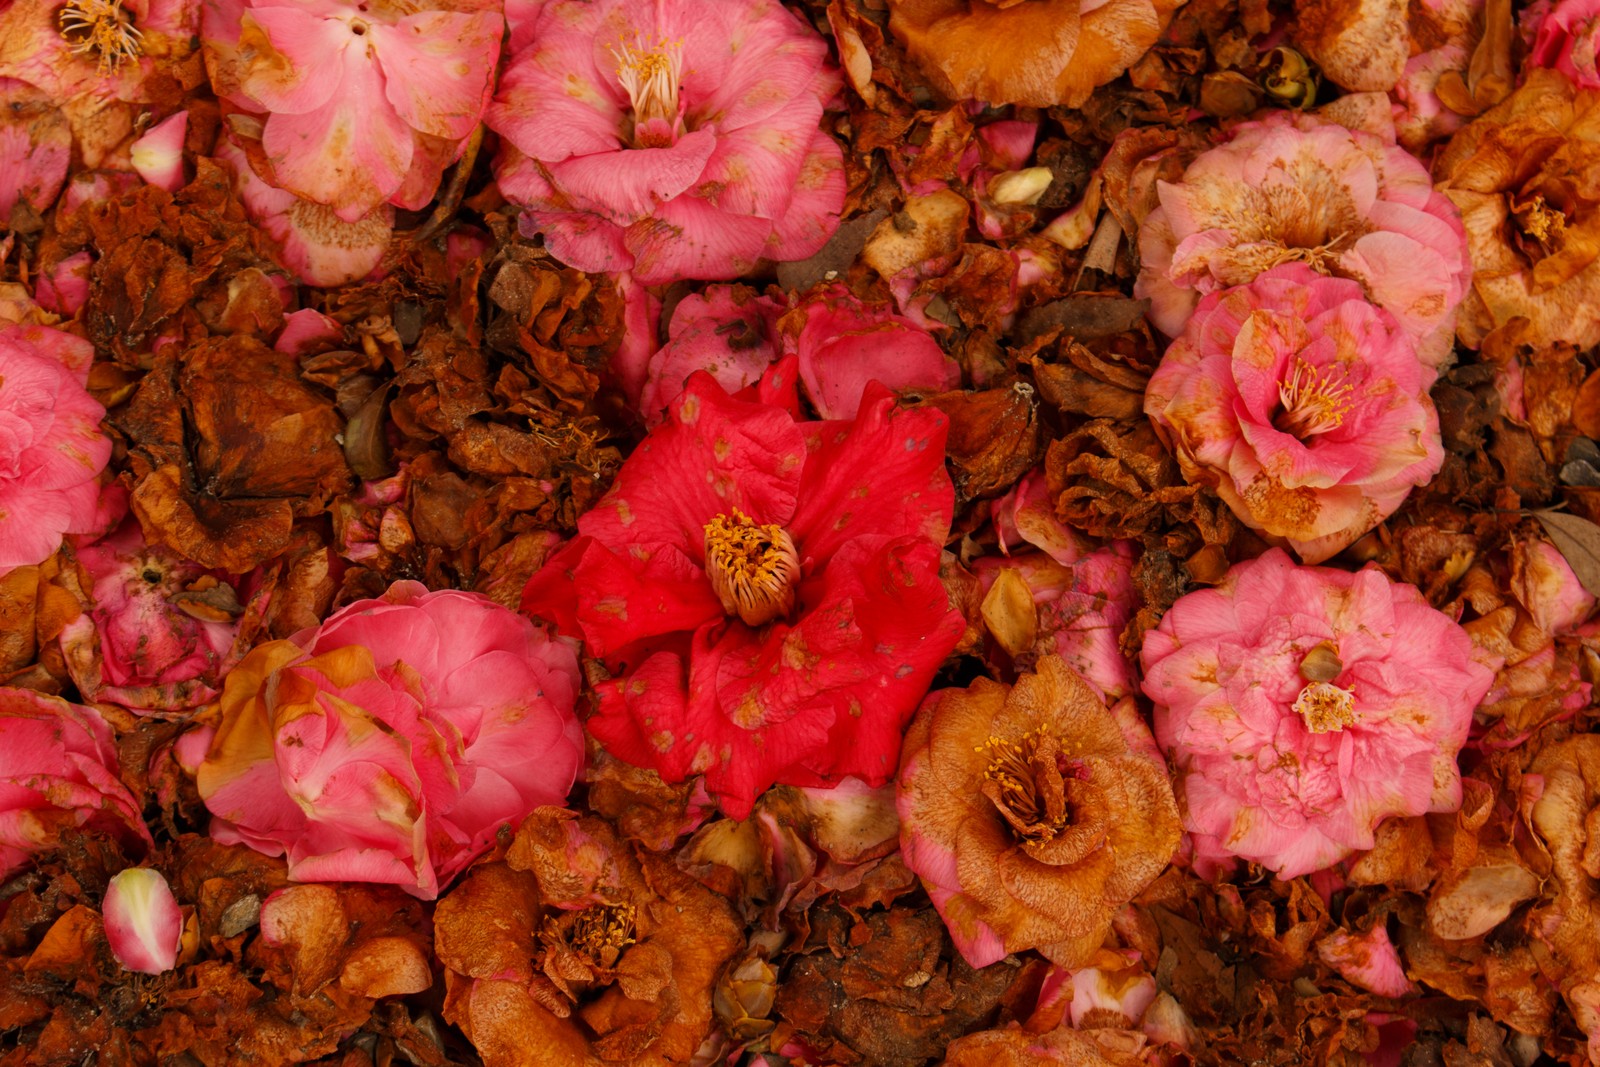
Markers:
(1298, 188)
(162, 631)
(728, 331)
(668, 138)
(51, 446)
(1567, 38)
(392, 742)
(144, 925)
(1302, 706)
(35, 145)
(844, 343)
(765, 592)
(358, 105)
(58, 771)
(1302, 404)
(319, 246)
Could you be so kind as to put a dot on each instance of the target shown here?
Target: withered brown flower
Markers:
(574, 948)
(1523, 175)
(1034, 52)
(1019, 1048)
(1028, 815)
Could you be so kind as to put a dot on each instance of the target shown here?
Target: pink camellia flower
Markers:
(390, 743)
(728, 331)
(144, 925)
(1302, 404)
(765, 592)
(1296, 188)
(667, 138)
(51, 446)
(162, 631)
(354, 105)
(58, 771)
(1566, 37)
(1302, 706)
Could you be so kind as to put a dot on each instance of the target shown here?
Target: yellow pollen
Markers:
(1543, 223)
(753, 569)
(650, 76)
(1012, 768)
(1313, 401)
(1325, 707)
(100, 28)
(599, 932)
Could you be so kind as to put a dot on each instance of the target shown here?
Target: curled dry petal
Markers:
(144, 924)
(1361, 45)
(1296, 774)
(1027, 817)
(1041, 53)
(1302, 404)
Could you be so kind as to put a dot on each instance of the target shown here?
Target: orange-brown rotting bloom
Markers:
(1029, 815)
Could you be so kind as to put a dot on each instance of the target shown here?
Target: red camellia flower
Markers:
(764, 591)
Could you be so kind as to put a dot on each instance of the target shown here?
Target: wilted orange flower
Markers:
(1523, 175)
(1027, 816)
(1034, 52)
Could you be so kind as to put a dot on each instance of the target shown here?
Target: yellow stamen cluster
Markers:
(1012, 768)
(599, 933)
(100, 28)
(650, 74)
(1543, 223)
(1325, 707)
(753, 568)
(1314, 401)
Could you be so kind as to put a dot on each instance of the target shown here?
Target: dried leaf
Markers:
(1579, 541)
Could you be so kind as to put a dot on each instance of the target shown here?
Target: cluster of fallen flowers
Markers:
(867, 532)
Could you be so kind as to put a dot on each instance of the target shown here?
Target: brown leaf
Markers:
(1578, 540)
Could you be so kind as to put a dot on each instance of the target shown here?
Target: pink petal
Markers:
(438, 68)
(143, 922)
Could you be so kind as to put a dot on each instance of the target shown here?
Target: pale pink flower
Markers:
(355, 105)
(35, 146)
(51, 447)
(1302, 404)
(1368, 960)
(392, 742)
(668, 138)
(158, 155)
(1566, 37)
(144, 925)
(58, 771)
(316, 244)
(728, 331)
(1302, 706)
(1296, 188)
(1420, 117)
(1028, 514)
(161, 631)
(1543, 582)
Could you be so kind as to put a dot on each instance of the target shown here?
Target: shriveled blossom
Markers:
(160, 631)
(1040, 53)
(51, 447)
(1566, 37)
(668, 139)
(392, 742)
(1522, 174)
(1297, 188)
(764, 592)
(353, 106)
(1028, 818)
(58, 771)
(1302, 706)
(1302, 404)
(575, 948)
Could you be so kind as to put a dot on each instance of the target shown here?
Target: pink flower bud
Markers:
(158, 155)
(143, 922)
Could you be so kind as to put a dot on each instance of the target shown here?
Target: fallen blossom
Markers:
(669, 140)
(144, 925)
(1302, 404)
(1028, 818)
(58, 772)
(1566, 34)
(1303, 706)
(51, 446)
(763, 591)
(1247, 205)
(392, 742)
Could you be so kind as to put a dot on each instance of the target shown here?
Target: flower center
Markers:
(1026, 782)
(1543, 222)
(1314, 401)
(650, 75)
(752, 568)
(100, 28)
(596, 935)
(1325, 707)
